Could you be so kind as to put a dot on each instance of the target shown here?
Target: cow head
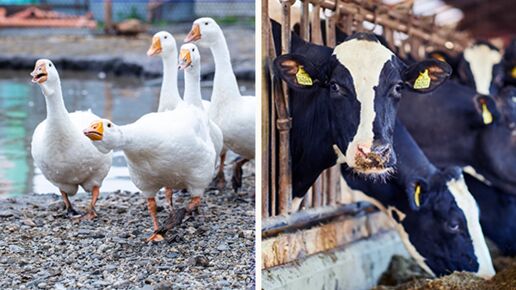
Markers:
(441, 227)
(509, 59)
(481, 68)
(497, 142)
(363, 81)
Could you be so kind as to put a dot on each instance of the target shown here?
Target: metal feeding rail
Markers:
(325, 198)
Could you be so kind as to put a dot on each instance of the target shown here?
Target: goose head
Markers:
(205, 30)
(189, 56)
(162, 43)
(45, 74)
(105, 135)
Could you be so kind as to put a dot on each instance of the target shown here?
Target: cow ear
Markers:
(296, 71)
(486, 108)
(427, 75)
(417, 194)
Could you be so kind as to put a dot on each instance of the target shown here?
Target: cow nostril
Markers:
(382, 150)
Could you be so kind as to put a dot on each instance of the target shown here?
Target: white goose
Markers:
(155, 142)
(164, 44)
(190, 62)
(232, 112)
(60, 150)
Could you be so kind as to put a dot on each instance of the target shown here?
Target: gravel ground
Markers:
(211, 249)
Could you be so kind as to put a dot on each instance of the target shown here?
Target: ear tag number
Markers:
(513, 72)
(417, 195)
(303, 78)
(486, 114)
(422, 81)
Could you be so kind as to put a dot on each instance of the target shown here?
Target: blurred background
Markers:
(99, 50)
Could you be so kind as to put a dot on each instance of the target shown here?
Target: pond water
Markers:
(22, 108)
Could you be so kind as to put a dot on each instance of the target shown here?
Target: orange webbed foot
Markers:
(156, 237)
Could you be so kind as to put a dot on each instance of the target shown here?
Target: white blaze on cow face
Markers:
(364, 59)
(481, 59)
(468, 205)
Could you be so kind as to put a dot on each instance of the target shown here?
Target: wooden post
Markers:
(108, 16)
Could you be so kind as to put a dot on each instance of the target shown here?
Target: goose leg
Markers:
(219, 182)
(151, 204)
(70, 211)
(91, 214)
(236, 179)
(195, 202)
(169, 198)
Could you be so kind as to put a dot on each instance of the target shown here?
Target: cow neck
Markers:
(311, 141)
(412, 162)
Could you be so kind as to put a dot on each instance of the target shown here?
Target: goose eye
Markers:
(109, 125)
(49, 65)
(205, 23)
(166, 37)
(193, 49)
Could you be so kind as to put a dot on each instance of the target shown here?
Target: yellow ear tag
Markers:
(513, 72)
(486, 115)
(417, 195)
(422, 81)
(303, 78)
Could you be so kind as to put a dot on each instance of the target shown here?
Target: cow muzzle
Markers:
(374, 159)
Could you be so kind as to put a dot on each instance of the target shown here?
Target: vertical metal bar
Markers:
(388, 34)
(266, 46)
(316, 24)
(330, 30)
(318, 192)
(332, 184)
(305, 22)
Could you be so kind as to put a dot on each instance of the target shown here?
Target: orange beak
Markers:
(185, 59)
(39, 74)
(155, 47)
(195, 34)
(95, 131)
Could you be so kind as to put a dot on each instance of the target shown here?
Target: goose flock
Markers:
(176, 147)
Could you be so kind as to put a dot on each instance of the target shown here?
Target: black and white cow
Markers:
(509, 59)
(480, 66)
(434, 213)
(343, 104)
(497, 214)
(457, 127)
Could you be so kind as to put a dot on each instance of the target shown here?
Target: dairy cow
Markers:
(343, 104)
(435, 214)
(456, 126)
(480, 66)
(497, 214)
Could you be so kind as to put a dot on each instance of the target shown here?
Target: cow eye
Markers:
(452, 226)
(396, 90)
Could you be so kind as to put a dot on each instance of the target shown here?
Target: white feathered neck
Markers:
(225, 85)
(193, 85)
(169, 95)
(57, 115)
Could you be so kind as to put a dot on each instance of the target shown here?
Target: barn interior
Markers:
(337, 240)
